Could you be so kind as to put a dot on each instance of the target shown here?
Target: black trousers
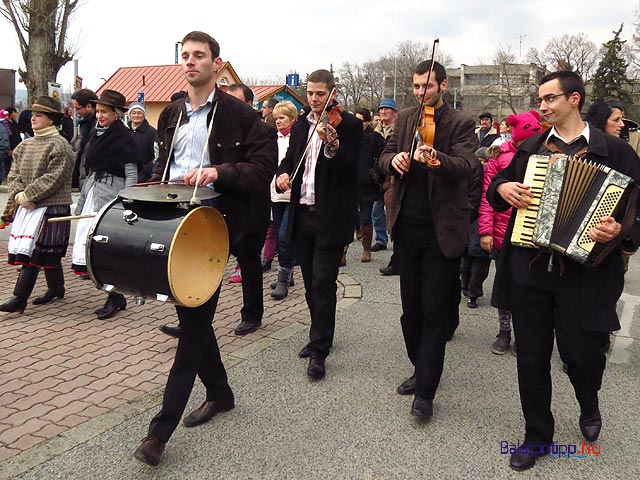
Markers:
(427, 280)
(319, 268)
(454, 307)
(475, 271)
(197, 354)
(247, 251)
(542, 303)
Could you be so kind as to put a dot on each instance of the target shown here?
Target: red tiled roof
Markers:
(157, 82)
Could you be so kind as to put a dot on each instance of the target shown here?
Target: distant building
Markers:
(499, 89)
(280, 92)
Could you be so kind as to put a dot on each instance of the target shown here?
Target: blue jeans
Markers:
(379, 219)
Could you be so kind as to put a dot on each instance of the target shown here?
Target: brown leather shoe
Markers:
(150, 451)
(207, 411)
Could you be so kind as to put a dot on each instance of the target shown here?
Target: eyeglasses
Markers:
(549, 99)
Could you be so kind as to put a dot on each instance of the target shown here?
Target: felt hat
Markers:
(46, 105)
(112, 99)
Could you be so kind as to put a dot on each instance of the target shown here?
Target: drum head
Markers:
(198, 256)
(166, 193)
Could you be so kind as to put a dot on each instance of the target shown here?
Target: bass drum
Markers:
(158, 251)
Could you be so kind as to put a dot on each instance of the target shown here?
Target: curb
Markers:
(49, 449)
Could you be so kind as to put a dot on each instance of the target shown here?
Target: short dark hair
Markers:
(570, 82)
(84, 96)
(198, 36)
(11, 110)
(247, 93)
(178, 95)
(366, 114)
(423, 67)
(271, 102)
(323, 76)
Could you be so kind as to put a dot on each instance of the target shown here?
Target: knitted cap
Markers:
(524, 125)
(139, 106)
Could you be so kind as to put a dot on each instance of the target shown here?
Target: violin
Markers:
(333, 114)
(425, 135)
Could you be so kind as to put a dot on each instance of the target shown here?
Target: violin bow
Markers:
(433, 59)
(306, 148)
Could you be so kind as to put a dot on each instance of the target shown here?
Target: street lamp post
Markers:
(395, 69)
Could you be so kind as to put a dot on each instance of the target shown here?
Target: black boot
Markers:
(22, 290)
(55, 284)
(291, 281)
(282, 287)
(115, 303)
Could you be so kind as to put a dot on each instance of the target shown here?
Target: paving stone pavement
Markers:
(62, 367)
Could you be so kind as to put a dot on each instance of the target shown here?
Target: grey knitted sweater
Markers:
(42, 168)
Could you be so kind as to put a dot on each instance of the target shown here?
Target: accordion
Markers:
(571, 195)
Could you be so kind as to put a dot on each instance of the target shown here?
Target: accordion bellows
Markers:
(571, 195)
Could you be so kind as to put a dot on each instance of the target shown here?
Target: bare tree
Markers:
(41, 28)
(353, 86)
(567, 52)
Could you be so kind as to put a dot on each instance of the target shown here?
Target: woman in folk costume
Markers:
(40, 185)
(112, 162)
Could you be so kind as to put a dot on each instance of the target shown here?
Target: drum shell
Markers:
(135, 258)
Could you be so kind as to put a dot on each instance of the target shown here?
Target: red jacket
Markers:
(491, 222)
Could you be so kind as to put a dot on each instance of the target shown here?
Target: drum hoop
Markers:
(101, 213)
(171, 251)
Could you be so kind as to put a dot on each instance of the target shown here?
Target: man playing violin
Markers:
(429, 219)
(321, 168)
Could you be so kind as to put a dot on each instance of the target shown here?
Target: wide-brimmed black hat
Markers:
(46, 104)
(112, 99)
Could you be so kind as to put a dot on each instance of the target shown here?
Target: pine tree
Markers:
(611, 79)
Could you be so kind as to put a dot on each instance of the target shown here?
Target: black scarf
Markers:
(110, 151)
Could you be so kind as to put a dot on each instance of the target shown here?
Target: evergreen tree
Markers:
(611, 79)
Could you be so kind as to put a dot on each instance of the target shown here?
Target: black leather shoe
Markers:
(378, 247)
(316, 369)
(266, 265)
(590, 426)
(408, 387)
(115, 303)
(14, 304)
(207, 411)
(422, 409)
(48, 296)
(171, 331)
(150, 451)
(305, 352)
(245, 327)
(522, 461)
(472, 302)
(389, 270)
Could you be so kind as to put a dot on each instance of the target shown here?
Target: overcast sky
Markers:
(266, 39)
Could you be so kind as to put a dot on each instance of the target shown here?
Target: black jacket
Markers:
(144, 138)
(369, 175)
(336, 181)
(601, 286)
(240, 149)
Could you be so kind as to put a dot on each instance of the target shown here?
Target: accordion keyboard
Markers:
(525, 221)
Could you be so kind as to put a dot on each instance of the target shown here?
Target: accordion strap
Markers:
(553, 148)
